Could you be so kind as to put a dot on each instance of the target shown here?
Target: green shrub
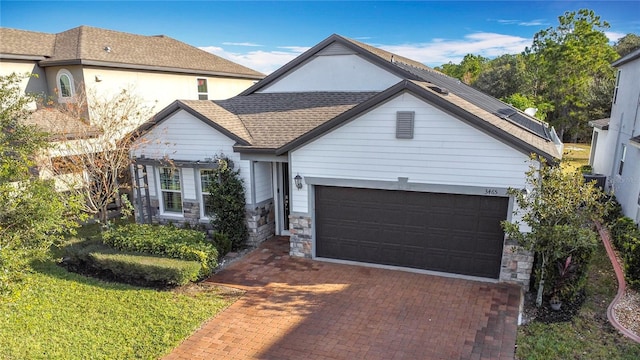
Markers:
(612, 209)
(626, 238)
(129, 267)
(152, 269)
(164, 241)
(222, 243)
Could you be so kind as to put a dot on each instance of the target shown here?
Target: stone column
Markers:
(300, 235)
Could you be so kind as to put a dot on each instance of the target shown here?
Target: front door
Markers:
(285, 197)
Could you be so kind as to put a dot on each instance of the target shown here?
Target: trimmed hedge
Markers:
(166, 241)
(129, 267)
(626, 238)
(151, 269)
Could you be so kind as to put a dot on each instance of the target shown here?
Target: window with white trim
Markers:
(170, 190)
(203, 93)
(64, 83)
(207, 176)
(623, 155)
(615, 91)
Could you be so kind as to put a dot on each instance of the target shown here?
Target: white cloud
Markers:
(441, 51)
(534, 22)
(263, 61)
(614, 36)
(433, 53)
(240, 44)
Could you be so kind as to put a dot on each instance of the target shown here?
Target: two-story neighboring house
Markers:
(615, 147)
(160, 69)
(86, 64)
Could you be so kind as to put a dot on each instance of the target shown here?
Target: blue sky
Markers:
(265, 35)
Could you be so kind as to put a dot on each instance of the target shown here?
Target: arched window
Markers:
(65, 84)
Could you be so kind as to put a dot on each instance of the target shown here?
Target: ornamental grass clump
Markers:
(166, 241)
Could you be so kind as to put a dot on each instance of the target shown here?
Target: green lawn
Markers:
(63, 315)
(589, 335)
(575, 155)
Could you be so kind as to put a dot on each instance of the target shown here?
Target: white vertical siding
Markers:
(263, 184)
(335, 73)
(184, 137)
(444, 150)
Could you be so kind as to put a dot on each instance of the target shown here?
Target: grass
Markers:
(575, 155)
(589, 335)
(63, 315)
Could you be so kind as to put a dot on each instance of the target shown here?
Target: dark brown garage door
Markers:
(442, 232)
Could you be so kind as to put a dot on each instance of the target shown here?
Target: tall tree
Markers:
(32, 214)
(505, 76)
(468, 70)
(627, 44)
(574, 60)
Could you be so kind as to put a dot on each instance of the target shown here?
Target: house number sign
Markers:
(489, 191)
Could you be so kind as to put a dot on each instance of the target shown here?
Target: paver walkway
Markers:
(302, 309)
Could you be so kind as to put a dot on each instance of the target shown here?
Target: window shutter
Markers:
(404, 124)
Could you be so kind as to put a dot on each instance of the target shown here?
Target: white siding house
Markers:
(616, 144)
(360, 155)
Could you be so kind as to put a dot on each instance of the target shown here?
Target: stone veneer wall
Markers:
(260, 218)
(261, 222)
(516, 265)
(300, 235)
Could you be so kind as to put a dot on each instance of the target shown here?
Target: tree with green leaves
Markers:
(467, 71)
(33, 216)
(227, 202)
(558, 210)
(574, 60)
(626, 44)
(504, 76)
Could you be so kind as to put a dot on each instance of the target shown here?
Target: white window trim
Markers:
(201, 193)
(160, 192)
(623, 157)
(72, 87)
(206, 93)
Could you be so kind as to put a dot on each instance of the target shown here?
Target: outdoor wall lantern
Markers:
(298, 181)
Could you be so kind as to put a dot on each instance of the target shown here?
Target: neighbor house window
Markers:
(65, 84)
(203, 93)
(171, 190)
(206, 178)
(615, 92)
(623, 155)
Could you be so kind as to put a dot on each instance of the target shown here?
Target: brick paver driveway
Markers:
(303, 309)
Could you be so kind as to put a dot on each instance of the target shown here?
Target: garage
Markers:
(449, 233)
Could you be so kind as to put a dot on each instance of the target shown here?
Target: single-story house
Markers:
(359, 155)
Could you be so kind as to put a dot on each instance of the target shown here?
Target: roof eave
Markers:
(45, 63)
(627, 58)
(22, 57)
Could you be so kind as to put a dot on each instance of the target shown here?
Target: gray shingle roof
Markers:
(281, 121)
(275, 119)
(602, 124)
(87, 45)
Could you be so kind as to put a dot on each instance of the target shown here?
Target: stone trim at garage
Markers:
(300, 238)
(516, 265)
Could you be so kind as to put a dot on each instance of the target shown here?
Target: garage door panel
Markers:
(441, 232)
